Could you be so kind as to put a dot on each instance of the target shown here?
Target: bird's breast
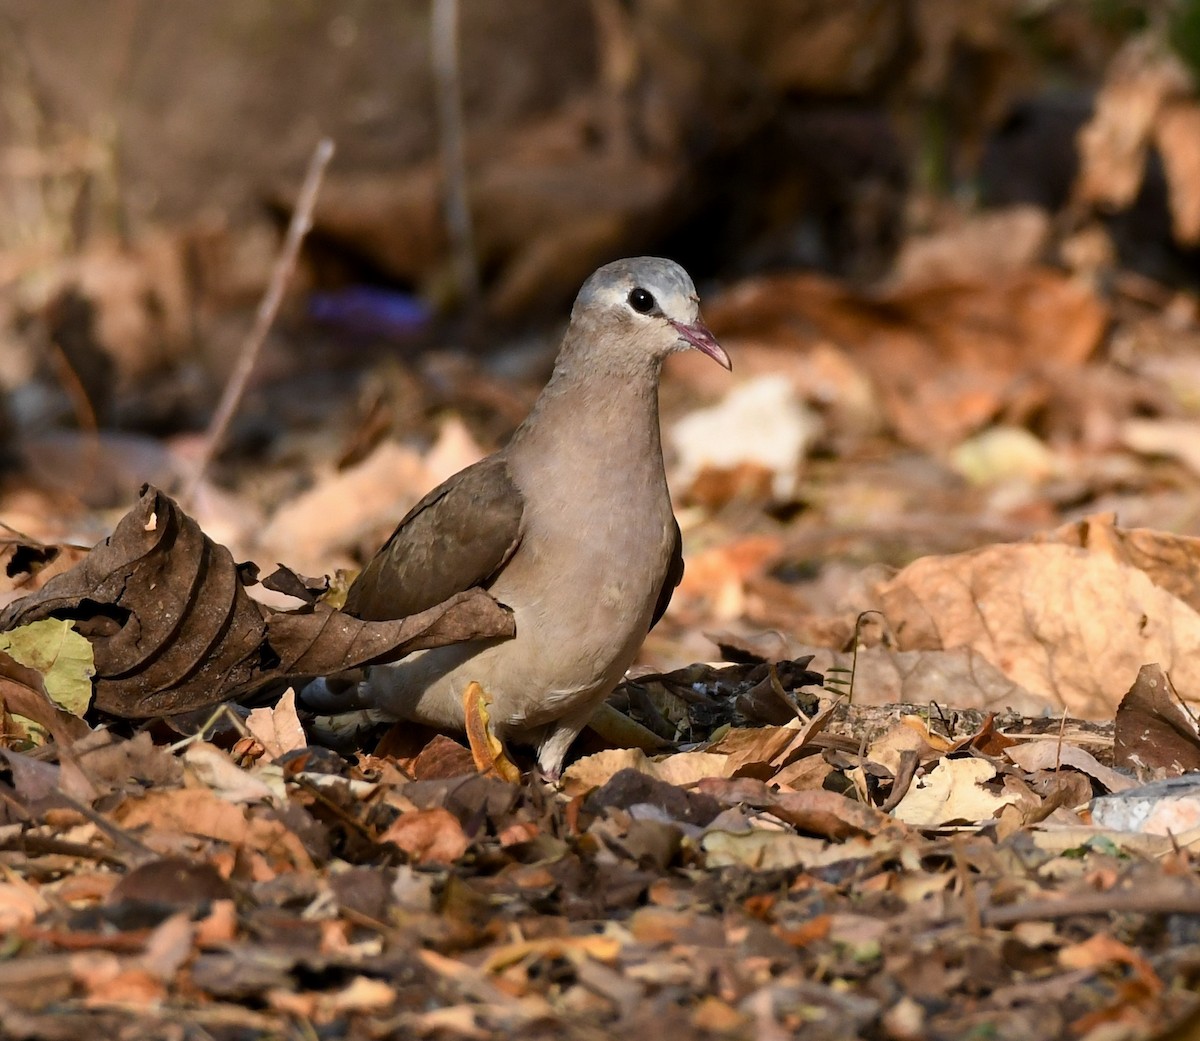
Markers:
(590, 585)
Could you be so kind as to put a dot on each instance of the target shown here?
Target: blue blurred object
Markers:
(370, 310)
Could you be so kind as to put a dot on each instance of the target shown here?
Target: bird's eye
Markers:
(641, 301)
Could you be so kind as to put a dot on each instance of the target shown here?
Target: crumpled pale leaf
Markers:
(754, 746)
(951, 793)
(277, 728)
(760, 850)
(1172, 562)
(909, 734)
(213, 769)
(761, 422)
(1050, 755)
(763, 850)
(682, 768)
(432, 836)
(173, 629)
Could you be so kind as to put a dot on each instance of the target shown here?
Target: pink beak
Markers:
(698, 335)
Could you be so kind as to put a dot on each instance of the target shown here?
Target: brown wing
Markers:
(457, 537)
(674, 577)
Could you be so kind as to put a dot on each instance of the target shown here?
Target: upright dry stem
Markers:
(451, 142)
(268, 307)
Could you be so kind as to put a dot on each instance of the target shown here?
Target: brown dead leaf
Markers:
(112, 763)
(174, 882)
(1172, 562)
(1143, 77)
(188, 811)
(1072, 624)
(629, 788)
(1152, 733)
(982, 246)
(719, 575)
(317, 640)
(714, 1016)
(219, 926)
(1177, 138)
(805, 732)
(960, 676)
(574, 948)
(441, 757)
(987, 739)
(20, 904)
(164, 608)
(173, 629)
(887, 749)
(751, 750)
(1103, 949)
(945, 358)
(169, 946)
(342, 508)
(28, 564)
(828, 814)
(23, 693)
(361, 994)
(131, 987)
(620, 731)
(804, 774)
(431, 836)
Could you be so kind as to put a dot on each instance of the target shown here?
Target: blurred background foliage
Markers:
(910, 157)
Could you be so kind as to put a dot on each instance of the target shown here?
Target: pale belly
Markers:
(579, 627)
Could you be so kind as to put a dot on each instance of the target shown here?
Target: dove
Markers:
(569, 525)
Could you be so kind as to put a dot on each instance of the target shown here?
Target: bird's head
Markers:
(651, 306)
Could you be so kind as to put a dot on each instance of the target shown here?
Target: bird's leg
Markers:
(559, 736)
(486, 748)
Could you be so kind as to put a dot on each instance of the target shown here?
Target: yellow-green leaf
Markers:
(64, 659)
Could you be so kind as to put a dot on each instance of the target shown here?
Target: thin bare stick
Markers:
(268, 307)
(443, 31)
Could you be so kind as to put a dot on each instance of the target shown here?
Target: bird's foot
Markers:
(486, 748)
(332, 695)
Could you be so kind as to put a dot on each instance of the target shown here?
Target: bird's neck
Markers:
(612, 414)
